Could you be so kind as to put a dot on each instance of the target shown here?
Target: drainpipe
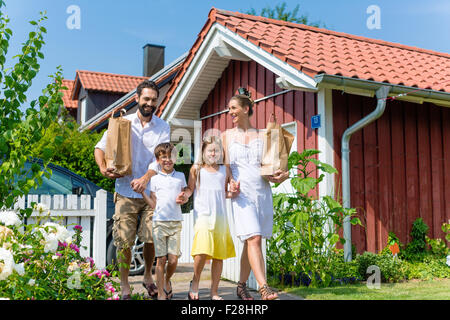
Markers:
(381, 94)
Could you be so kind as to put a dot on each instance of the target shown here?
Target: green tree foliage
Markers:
(19, 130)
(76, 153)
(280, 13)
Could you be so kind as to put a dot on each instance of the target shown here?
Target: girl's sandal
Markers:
(268, 293)
(242, 292)
(216, 298)
(192, 295)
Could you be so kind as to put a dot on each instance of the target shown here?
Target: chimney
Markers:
(153, 59)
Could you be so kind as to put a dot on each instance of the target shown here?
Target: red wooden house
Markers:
(399, 164)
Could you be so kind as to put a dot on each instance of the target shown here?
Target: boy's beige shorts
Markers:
(126, 221)
(167, 237)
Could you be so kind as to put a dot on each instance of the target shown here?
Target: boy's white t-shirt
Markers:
(166, 188)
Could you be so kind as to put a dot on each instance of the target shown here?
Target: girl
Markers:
(212, 238)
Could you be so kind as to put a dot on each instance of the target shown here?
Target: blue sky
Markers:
(112, 33)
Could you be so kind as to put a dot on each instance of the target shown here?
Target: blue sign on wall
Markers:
(315, 121)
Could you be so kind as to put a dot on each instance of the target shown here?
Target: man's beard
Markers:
(144, 113)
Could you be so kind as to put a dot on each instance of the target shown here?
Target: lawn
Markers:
(411, 290)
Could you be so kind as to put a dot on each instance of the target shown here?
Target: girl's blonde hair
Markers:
(201, 162)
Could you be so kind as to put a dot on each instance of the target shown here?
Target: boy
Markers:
(165, 189)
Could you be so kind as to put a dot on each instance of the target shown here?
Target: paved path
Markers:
(182, 277)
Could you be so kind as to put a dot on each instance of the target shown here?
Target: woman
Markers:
(253, 207)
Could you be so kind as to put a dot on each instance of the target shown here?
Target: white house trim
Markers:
(325, 139)
(219, 38)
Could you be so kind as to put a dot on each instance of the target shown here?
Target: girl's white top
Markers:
(209, 197)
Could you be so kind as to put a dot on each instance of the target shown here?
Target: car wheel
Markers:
(137, 265)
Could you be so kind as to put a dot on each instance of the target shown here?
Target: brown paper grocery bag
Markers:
(277, 144)
(118, 145)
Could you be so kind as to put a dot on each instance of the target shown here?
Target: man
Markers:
(147, 131)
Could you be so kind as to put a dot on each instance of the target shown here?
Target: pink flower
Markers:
(79, 228)
(74, 247)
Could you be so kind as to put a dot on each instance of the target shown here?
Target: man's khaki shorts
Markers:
(126, 221)
(166, 237)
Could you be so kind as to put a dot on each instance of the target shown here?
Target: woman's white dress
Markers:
(253, 207)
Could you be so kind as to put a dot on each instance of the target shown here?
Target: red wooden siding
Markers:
(400, 168)
(292, 106)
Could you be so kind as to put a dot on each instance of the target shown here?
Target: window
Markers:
(83, 113)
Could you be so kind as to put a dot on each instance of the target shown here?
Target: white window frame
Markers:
(83, 110)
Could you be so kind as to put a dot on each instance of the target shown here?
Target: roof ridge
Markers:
(110, 74)
(326, 31)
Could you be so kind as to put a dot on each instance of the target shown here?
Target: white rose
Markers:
(51, 243)
(6, 263)
(9, 218)
(61, 232)
(20, 268)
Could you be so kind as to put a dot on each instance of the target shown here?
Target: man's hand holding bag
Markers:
(118, 146)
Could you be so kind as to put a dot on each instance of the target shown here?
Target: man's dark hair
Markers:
(163, 149)
(147, 84)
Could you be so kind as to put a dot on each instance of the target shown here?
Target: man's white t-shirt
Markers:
(166, 188)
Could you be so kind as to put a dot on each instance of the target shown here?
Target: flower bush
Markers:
(43, 261)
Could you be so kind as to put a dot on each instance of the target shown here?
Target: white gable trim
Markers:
(217, 37)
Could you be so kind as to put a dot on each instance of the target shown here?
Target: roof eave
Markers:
(368, 87)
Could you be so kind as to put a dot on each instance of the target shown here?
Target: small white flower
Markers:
(41, 207)
(32, 282)
(6, 263)
(9, 218)
(448, 260)
(20, 268)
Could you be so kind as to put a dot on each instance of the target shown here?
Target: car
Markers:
(64, 181)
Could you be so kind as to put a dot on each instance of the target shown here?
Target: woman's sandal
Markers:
(267, 293)
(195, 294)
(216, 297)
(242, 292)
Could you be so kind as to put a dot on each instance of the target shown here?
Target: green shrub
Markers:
(306, 229)
(390, 267)
(431, 267)
(415, 250)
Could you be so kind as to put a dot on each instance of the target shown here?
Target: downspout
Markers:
(381, 94)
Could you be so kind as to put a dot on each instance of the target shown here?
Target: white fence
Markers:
(77, 210)
(231, 267)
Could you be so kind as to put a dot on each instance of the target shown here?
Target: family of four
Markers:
(148, 201)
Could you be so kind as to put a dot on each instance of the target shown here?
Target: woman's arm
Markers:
(234, 186)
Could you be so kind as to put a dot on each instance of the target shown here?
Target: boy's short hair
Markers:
(163, 149)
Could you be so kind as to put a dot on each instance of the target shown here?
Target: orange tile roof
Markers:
(316, 50)
(131, 99)
(69, 103)
(107, 82)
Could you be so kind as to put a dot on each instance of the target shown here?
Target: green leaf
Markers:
(303, 185)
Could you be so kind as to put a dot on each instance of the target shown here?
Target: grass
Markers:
(411, 290)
